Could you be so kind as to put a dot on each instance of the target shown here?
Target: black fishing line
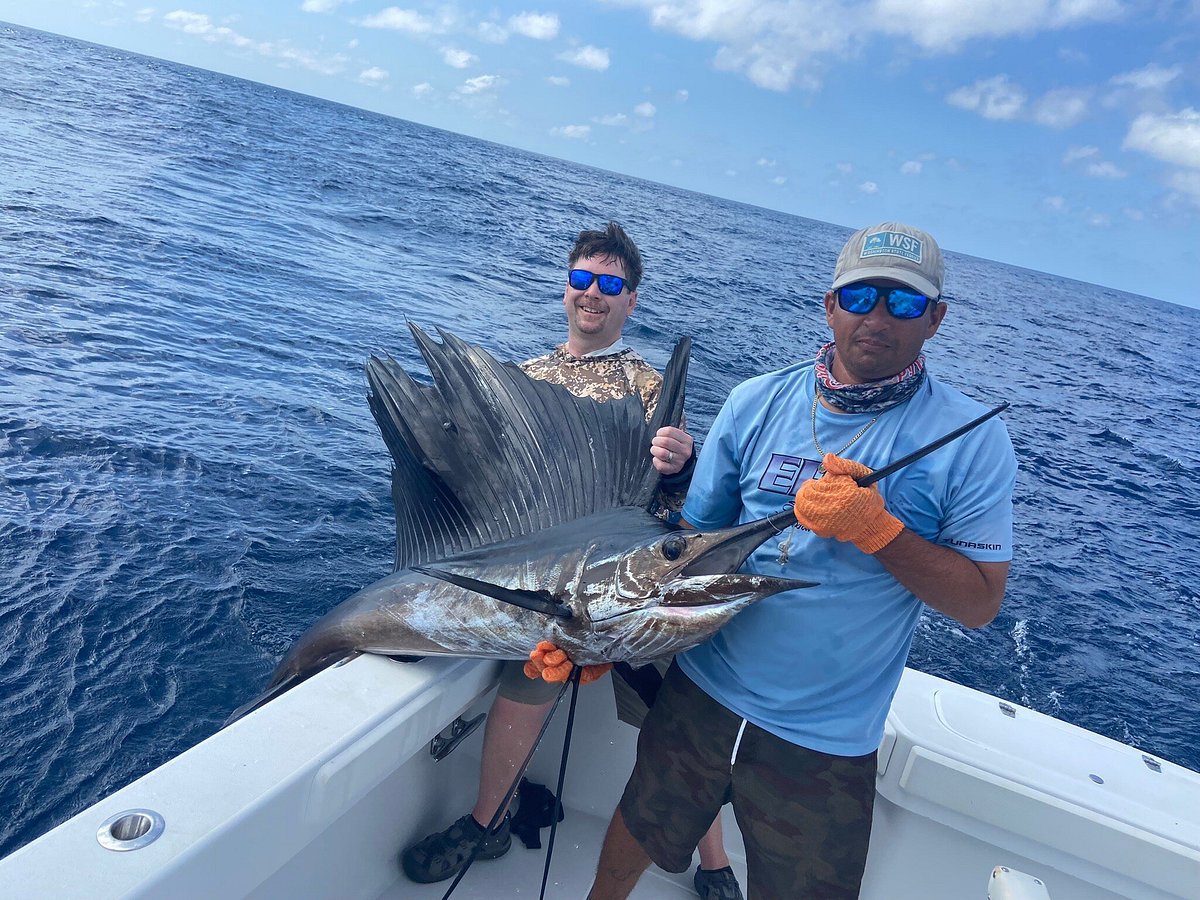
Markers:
(512, 790)
(562, 774)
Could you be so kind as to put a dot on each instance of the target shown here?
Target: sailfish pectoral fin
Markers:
(535, 601)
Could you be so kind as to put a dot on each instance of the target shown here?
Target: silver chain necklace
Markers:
(849, 443)
(786, 543)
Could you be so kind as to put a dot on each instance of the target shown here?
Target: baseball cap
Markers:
(893, 251)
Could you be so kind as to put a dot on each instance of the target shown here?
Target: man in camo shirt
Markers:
(604, 269)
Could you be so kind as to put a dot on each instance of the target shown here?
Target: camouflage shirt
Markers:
(604, 378)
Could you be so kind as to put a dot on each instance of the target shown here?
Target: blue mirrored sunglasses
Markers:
(581, 280)
(901, 302)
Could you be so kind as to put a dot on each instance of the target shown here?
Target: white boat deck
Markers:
(314, 795)
(519, 872)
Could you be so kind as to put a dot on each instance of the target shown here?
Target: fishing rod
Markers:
(893, 467)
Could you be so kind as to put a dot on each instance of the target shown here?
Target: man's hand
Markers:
(835, 506)
(551, 664)
(670, 450)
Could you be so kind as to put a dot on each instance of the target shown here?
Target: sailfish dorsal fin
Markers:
(485, 453)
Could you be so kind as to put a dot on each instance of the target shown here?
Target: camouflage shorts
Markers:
(805, 816)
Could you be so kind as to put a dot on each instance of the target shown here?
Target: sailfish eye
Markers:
(672, 548)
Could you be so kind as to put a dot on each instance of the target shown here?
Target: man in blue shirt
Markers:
(782, 711)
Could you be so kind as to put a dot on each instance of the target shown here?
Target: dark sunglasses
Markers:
(903, 303)
(581, 280)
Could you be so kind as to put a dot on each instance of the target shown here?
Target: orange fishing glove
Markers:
(835, 506)
(551, 664)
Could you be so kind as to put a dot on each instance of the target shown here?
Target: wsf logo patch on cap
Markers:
(892, 243)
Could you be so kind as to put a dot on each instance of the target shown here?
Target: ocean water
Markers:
(194, 269)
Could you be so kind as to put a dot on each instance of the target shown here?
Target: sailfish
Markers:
(523, 514)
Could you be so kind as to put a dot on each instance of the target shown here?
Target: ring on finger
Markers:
(670, 456)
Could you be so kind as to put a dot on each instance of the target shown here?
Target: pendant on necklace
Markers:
(785, 546)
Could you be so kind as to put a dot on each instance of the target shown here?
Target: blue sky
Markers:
(1058, 135)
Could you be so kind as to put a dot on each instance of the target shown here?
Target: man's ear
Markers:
(935, 318)
(632, 300)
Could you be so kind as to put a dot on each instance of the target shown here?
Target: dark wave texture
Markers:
(194, 270)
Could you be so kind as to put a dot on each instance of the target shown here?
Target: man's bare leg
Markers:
(622, 862)
(712, 847)
(509, 733)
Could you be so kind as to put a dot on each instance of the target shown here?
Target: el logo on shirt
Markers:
(784, 473)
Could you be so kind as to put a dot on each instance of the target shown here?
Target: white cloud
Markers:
(766, 163)
(573, 132)
(199, 25)
(773, 43)
(1061, 108)
(1150, 78)
(459, 59)
(869, 187)
(641, 120)
(998, 98)
(681, 95)
(845, 168)
(945, 25)
(535, 25)
(407, 20)
(783, 44)
(491, 33)
(373, 75)
(559, 81)
(912, 167)
(1098, 220)
(993, 98)
(1097, 167)
(779, 180)
(587, 57)
(764, 68)
(479, 84)
(1056, 203)
(422, 89)
(145, 14)
(1187, 184)
(1074, 154)
(320, 6)
(1173, 138)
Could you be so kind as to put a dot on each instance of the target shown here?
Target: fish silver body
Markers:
(631, 588)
